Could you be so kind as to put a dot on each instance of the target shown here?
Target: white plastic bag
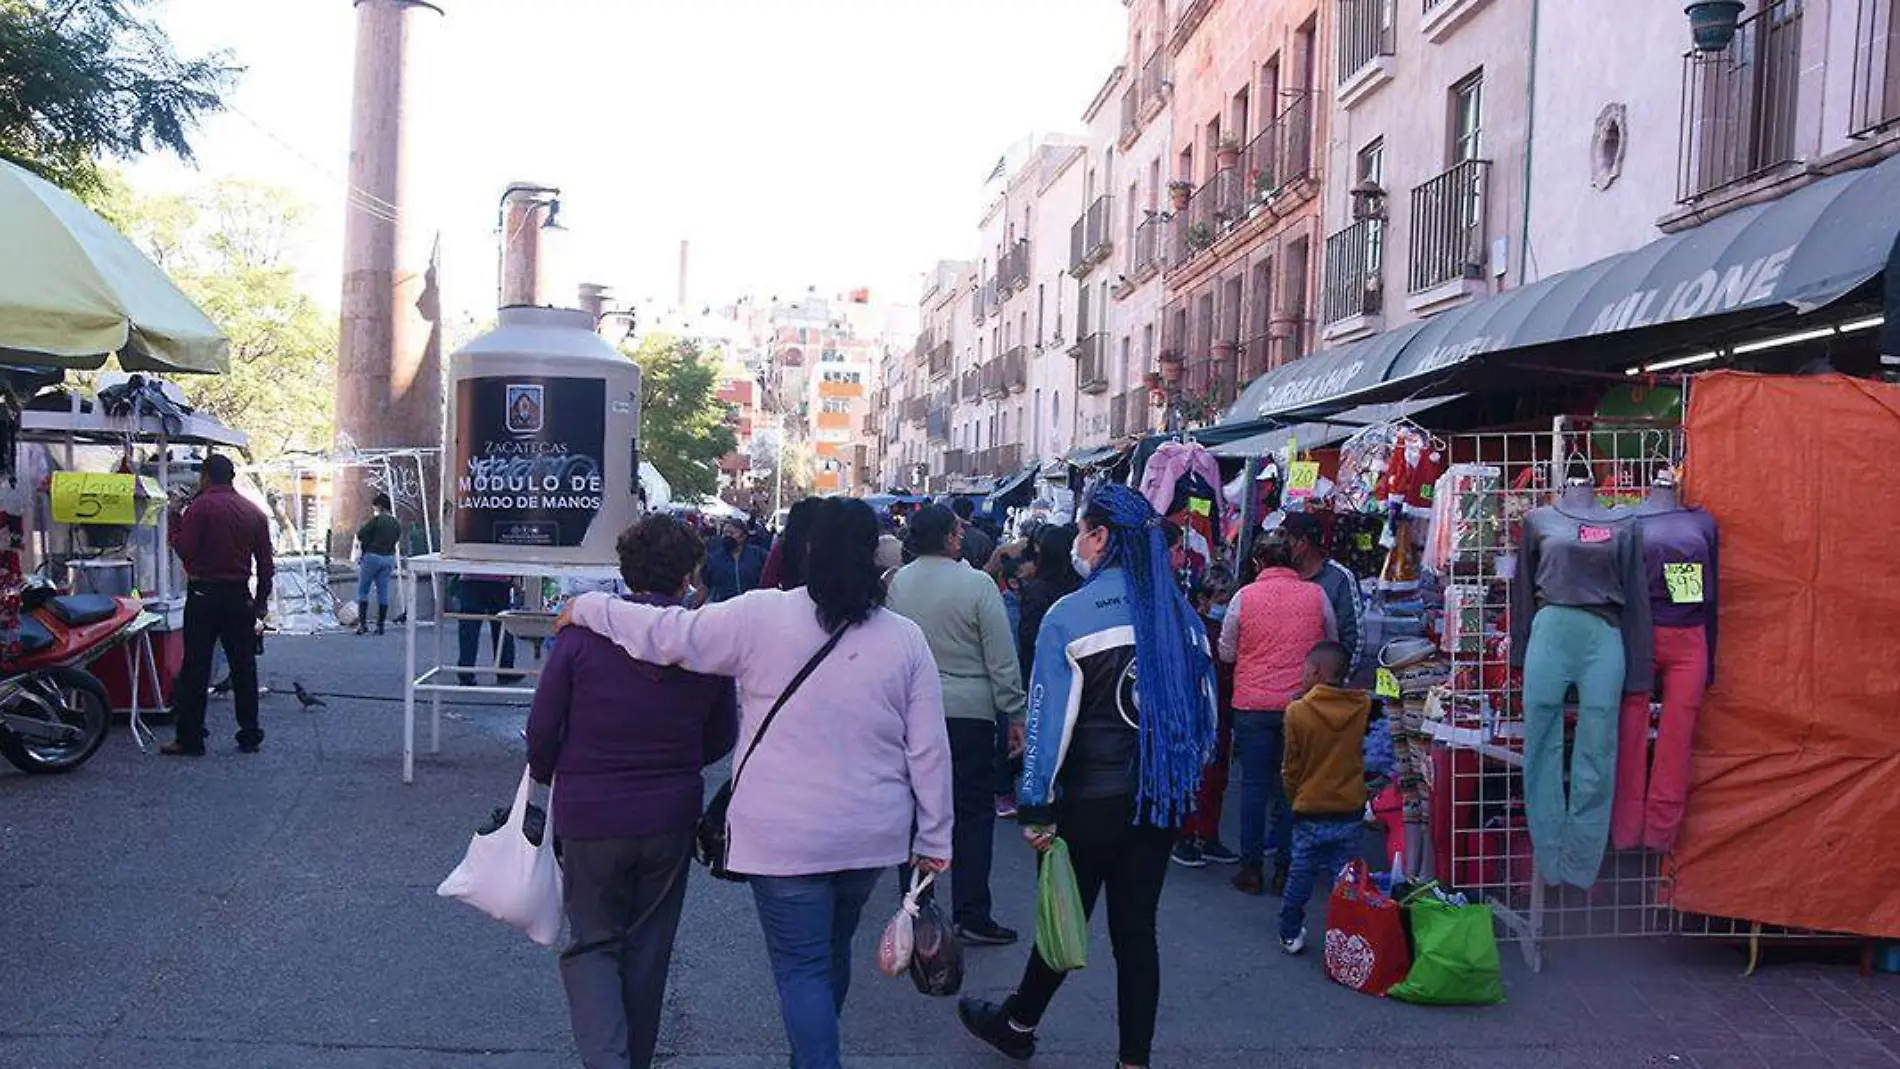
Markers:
(894, 947)
(511, 879)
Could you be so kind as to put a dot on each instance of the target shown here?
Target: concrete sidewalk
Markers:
(279, 911)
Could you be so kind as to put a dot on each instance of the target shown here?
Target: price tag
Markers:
(1201, 506)
(1363, 540)
(84, 497)
(1302, 478)
(1684, 582)
(1386, 683)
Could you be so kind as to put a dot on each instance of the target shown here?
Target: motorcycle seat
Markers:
(34, 637)
(78, 610)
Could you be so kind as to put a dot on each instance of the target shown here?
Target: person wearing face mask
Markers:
(1119, 731)
(734, 565)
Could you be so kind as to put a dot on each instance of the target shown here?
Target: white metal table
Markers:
(436, 567)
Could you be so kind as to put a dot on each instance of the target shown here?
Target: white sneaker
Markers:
(1295, 945)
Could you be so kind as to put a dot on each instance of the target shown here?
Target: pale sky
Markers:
(835, 143)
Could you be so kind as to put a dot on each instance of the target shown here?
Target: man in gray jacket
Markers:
(1341, 586)
(961, 614)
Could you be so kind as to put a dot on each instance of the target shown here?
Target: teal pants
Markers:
(1571, 647)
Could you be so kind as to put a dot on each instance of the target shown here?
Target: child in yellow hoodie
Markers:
(1325, 777)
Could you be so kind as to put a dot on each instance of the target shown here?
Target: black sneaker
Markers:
(989, 1022)
(986, 934)
(1189, 855)
(1216, 851)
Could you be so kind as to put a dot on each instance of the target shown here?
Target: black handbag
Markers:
(713, 838)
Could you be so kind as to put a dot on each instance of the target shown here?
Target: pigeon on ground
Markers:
(305, 698)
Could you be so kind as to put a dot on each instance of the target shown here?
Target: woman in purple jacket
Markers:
(627, 739)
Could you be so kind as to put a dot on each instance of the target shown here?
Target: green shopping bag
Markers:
(1455, 959)
(1062, 932)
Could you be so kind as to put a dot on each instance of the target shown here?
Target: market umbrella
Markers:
(74, 291)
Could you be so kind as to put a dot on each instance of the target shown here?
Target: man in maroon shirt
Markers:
(218, 536)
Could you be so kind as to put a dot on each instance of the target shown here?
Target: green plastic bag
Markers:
(1062, 932)
(1456, 954)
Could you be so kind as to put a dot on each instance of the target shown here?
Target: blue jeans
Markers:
(808, 922)
(374, 571)
(1320, 848)
(487, 597)
(1260, 742)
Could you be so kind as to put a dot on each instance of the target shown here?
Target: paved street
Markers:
(279, 911)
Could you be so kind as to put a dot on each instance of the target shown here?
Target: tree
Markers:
(684, 427)
(791, 479)
(229, 250)
(85, 78)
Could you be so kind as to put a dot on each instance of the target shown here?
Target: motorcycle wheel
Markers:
(82, 702)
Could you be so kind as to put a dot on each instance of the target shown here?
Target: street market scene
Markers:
(1372, 551)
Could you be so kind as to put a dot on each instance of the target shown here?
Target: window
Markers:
(1040, 308)
(1154, 184)
(1371, 168)
(1467, 119)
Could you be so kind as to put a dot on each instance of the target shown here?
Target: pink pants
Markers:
(1651, 790)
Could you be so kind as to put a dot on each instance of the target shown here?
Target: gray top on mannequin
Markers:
(1662, 495)
(1578, 554)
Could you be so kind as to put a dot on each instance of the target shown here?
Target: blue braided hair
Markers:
(1174, 676)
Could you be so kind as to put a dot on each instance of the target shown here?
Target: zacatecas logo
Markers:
(527, 410)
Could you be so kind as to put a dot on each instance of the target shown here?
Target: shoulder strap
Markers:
(785, 695)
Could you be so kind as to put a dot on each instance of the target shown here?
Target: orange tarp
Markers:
(1794, 813)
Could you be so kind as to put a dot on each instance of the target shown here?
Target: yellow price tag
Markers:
(1684, 582)
(1386, 683)
(1302, 478)
(1363, 540)
(1200, 505)
(85, 497)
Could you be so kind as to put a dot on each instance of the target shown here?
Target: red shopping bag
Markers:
(1365, 935)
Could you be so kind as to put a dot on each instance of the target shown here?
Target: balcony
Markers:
(1086, 318)
(993, 380)
(1006, 459)
(972, 384)
(1015, 373)
(955, 462)
(1739, 107)
(916, 410)
(993, 294)
(1013, 271)
(1448, 227)
(1282, 153)
(1876, 103)
(1088, 237)
(937, 424)
(1211, 212)
(1131, 114)
(1091, 365)
(1365, 42)
(1350, 286)
(940, 359)
(1144, 258)
(979, 303)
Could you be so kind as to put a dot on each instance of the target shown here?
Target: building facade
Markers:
(1245, 203)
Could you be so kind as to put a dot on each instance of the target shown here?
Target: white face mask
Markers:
(1082, 565)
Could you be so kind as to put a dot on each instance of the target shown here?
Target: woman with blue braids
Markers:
(1120, 726)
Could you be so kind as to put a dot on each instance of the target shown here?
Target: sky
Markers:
(827, 143)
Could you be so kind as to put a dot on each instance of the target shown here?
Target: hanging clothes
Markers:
(1170, 463)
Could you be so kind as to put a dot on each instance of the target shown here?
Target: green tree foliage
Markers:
(85, 78)
(229, 249)
(684, 426)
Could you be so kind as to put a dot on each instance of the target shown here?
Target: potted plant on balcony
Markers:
(1179, 191)
(1199, 236)
(1226, 152)
(1712, 23)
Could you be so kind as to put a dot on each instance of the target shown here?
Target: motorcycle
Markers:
(54, 715)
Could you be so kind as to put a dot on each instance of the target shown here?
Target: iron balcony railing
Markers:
(1142, 258)
(1448, 227)
(1876, 101)
(1350, 285)
(1118, 416)
(1211, 211)
(972, 384)
(1154, 80)
(979, 303)
(1091, 365)
(1739, 106)
(937, 424)
(1131, 112)
(1085, 318)
(1282, 153)
(917, 409)
(1015, 268)
(1430, 4)
(1006, 459)
(993, 293)
(1016, 369)
(954, 462)
(1088, 237)
(940, 359)
(993, 379)
(1365, 34)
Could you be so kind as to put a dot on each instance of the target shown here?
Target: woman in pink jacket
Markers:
(1270, 627)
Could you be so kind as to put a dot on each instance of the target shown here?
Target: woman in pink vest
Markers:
(1270, 627)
